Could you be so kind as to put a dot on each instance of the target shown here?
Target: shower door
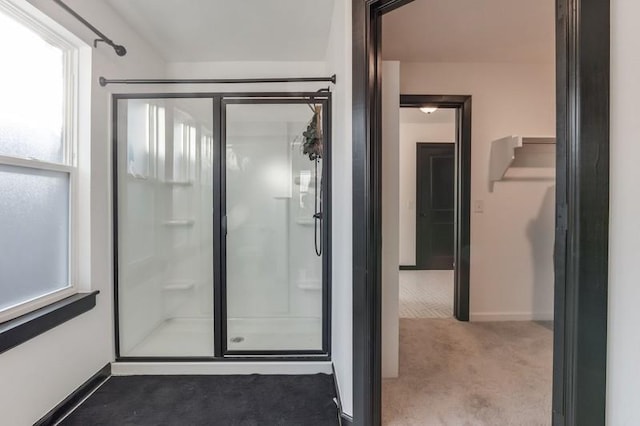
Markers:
(275, 294)
(221, 224)
(164, 247)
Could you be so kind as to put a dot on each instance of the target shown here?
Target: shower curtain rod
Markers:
(120, 49)
(104, 81)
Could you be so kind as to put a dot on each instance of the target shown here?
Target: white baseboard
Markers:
(510, 316)
(219, 368)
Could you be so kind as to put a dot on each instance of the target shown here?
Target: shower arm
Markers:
(118, 48)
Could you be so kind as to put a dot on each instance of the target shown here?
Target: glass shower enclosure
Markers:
(221, 225)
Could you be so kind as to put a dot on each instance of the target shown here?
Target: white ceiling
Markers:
(231, 30)
(520, 31)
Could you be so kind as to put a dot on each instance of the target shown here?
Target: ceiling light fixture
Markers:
(428, 109)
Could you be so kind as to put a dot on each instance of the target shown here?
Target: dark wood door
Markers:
(435, 205)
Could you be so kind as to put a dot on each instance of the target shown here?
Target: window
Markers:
(38, 170)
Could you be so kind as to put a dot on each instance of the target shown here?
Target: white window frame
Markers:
(50, 31)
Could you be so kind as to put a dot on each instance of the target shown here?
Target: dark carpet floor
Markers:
(210, 400)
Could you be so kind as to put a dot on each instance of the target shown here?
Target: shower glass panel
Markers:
(274, 268)
(164, 222)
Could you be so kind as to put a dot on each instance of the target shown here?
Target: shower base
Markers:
(273, 334)
(177, 337)
(193, 337)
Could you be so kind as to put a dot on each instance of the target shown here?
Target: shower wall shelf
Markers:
(312, 181)
(306, 221)
(179, 222)
(530, 158)
(309, 285)
(137, 176)
(179, 286)
(179, 182)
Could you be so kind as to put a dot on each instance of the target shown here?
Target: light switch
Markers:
(478, 206)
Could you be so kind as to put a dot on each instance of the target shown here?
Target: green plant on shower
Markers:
(312, 137)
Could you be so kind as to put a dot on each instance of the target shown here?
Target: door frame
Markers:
(582, 210)
(219, 100)
(462, 104)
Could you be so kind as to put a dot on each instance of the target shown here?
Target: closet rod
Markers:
(120, 49)
(104, 81)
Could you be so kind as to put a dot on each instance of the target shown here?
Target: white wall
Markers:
(38, 374)
(410, 134)
(390, 216)
(623, 373)
(339, 62)
(245, 69)
(512, 241)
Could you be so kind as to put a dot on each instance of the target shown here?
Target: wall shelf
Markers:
(524, 153)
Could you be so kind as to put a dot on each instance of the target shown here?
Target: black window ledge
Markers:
(25, 327)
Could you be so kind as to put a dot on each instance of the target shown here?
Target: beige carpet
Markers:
(468, 374)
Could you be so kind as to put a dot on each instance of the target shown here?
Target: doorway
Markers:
(453, 220)
(435, 205)
(581, 264)
(426, 289)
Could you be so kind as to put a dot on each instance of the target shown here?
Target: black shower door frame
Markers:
(220, 101)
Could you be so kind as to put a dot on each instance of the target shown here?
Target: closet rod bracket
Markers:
(118, 48)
